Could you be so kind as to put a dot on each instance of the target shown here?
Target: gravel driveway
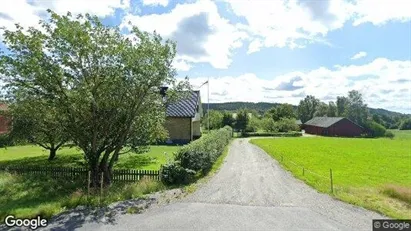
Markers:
(250, 192)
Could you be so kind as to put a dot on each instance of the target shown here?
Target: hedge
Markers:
(197, 156)
(276, 134)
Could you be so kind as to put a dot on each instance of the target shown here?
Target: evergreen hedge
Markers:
(198, 156)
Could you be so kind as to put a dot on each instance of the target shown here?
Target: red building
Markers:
(333, 126)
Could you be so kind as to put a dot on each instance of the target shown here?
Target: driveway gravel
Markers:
(250, 192)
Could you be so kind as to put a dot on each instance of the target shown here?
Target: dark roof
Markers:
(323, 122)
(185, 107)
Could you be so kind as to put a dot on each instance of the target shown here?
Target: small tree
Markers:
(242, 120)
(228, 119)
(36, 121)
(216, 118)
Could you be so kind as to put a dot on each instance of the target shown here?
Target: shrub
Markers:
(253, 125)
(201, 154)
(274, 134)
(406, 124)
(375, 129)
(269, 125)
(389, 134)
(173, 173)
(286, 125)
(197, 156)
(5, 140)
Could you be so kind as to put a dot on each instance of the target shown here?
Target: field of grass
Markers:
(30, 155)
(373, 173)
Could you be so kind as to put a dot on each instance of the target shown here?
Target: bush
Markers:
(5, 140)
(173, 173)
(389, 134)
(375, 129)
(286, 125)
(275, 134)
(197, 156)
(201, 154)
(406, 124)
(253, 125)
(269, 125)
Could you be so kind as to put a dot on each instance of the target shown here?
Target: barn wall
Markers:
(345, 128)
(313, 130)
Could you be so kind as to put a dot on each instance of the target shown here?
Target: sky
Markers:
(266, 50)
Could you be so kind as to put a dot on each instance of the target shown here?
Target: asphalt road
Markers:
(250, 192)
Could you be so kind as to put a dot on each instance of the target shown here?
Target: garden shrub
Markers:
(173, 173)
(201, 154)
(197, 156)
(286, 125)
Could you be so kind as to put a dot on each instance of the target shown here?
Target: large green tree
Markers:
(307, 107)
(322, 110)
(104, 84)
(342, 104)
(356, 110)
(332, 109)
(285, 110)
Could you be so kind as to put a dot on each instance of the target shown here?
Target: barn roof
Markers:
(323, 122)
(185, 107)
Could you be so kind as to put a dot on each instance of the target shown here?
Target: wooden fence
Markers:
(119, 175)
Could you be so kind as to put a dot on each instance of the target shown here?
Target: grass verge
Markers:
(28, 196)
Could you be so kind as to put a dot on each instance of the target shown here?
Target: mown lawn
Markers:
(373, 173)
(29, 196)
(30, 155)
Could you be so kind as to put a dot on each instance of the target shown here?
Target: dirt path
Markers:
(251, 191)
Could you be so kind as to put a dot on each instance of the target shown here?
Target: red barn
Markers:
(333, 126)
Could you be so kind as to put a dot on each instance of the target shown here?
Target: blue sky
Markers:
(272, 51)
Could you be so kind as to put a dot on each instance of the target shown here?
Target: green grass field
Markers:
(30, 155)
(29, 196)
(373, 173)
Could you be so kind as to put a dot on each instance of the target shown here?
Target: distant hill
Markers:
(262, 107)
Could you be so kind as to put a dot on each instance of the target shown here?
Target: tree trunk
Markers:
(94, 177)
(52, 154)
(107, 175)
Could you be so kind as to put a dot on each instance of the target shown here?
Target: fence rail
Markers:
(119, 175)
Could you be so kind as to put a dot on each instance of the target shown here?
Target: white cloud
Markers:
(381, 12)
(28, 13)
(359, 55)
(383, 82)
(202, 35)
(155, 2)
(291, 23)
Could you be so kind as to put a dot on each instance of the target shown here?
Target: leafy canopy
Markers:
(105, 85)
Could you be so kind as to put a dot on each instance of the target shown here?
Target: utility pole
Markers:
(208, 104)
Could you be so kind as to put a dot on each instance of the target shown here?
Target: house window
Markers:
(198, 108)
